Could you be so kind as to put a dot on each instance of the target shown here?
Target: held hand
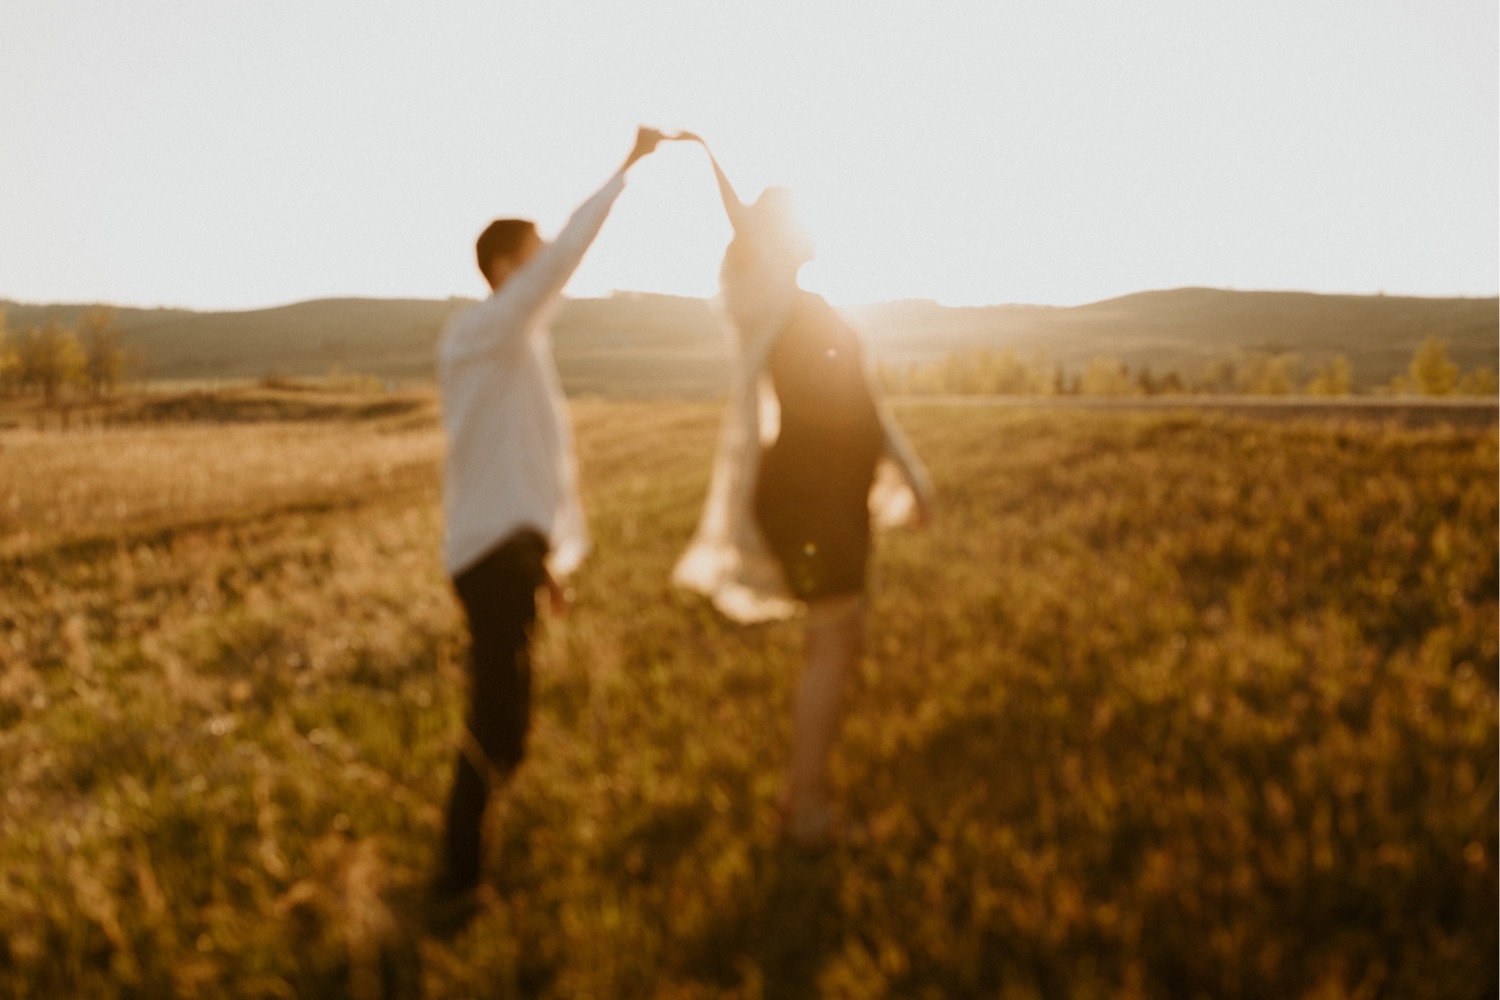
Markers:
(646, 140)
(559, 598)
(732, 205)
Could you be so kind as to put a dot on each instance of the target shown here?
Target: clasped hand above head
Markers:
(648, 138)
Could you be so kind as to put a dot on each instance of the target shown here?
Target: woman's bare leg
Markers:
(835, 642)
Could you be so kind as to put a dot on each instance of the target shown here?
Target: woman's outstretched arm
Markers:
(733, 207)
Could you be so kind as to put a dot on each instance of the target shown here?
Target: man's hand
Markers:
(646, 140)
(559, 598)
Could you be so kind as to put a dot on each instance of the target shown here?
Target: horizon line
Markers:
(644, 293)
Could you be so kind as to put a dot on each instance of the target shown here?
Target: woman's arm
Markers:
(733, 207)
(899, 450)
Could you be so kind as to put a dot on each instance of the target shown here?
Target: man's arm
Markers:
(546, 274)
(515, 304)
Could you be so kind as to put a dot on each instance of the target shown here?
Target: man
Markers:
(514, 521)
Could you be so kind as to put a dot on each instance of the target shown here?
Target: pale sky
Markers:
(242, 154)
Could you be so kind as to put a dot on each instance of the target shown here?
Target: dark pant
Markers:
(499, 599)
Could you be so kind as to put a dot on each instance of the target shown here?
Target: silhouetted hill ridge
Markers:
(644, 344)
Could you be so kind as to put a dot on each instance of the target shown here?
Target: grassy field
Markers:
(1163, 705)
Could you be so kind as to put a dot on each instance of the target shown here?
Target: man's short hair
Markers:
(502, 238)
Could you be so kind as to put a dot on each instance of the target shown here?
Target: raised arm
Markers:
(646, 141)
(502, 318)
(733, 207)
(547, 274)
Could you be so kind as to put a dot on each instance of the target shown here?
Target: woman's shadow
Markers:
(788, 930)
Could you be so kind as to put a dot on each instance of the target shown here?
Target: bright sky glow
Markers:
(234, 155)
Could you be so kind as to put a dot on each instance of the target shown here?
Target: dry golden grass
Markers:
(58, 487)
(1164, 705)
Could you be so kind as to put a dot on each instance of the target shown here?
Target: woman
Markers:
(807, 454)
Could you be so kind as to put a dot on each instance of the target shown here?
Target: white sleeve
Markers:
(498, 322)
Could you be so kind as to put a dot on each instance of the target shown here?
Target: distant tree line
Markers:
(52, 360)
(1003, 372)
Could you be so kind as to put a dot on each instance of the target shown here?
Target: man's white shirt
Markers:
(510, 462)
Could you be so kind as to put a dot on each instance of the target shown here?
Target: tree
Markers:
(1151, 384)
(10, 362)
(104, 357)
(1479, 382)
(50, 358)
(924, 380)
(1333, 379)
(1431, 371)
(984, 372)
(1007, 374)
(1223, 376)
(961, 374)
(1106, 377)
(1268, 375)
(888, 377)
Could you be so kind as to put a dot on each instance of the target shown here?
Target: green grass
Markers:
(1163, 705)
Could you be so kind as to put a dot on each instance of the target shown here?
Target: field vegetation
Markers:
(1259, 372)
(634, 345)
(1165, 704)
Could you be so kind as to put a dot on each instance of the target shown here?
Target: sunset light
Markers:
(729, 500)
(971, 153)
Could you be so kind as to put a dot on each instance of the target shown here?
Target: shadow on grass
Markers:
(785, 932)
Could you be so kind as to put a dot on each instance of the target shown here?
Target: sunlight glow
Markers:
(173, 152)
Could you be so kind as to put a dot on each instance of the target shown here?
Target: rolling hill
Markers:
(644, 345)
